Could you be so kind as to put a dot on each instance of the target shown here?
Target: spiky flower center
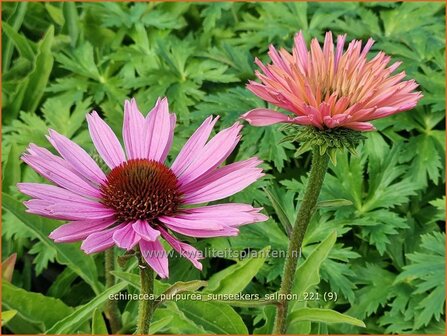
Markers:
(141, 189)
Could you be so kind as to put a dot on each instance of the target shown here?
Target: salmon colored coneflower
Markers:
(141, 199)
(329, 88)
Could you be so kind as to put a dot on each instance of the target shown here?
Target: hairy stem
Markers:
(112, 311)
(146, 305)
(313, 188)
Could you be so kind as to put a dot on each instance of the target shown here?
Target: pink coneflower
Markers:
(329, 88)
(141, 199)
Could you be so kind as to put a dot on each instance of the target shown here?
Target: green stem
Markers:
(311, 193)
(146, 305)
(112, 311)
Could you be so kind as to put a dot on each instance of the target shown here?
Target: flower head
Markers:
(141, 199)
(328, 88)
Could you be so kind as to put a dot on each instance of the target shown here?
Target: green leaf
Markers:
(17, 20)
(426, 270)
(426, 160)
(134, 280)
(236, 277)
(8, 267)
(38, 78)
(63, 283)
(180, 287)
(308, 273)
(182, 325)
(162, 20)
(157, 325)
(11, 169)
(56, 13)
(217, 318)
(323, 315)
(67, 254)
(334, 203)
(72, 21)
(98, 324)
(130, 278)
(375, 292)
(268, 315)
(280, 208)
(380, 227)
(81, 61)
(7, 316)
(34, 307)
(43, 255)
(212, 13)
(24, 47)
(71, 323)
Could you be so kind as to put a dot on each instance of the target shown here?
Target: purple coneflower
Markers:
(141, 199)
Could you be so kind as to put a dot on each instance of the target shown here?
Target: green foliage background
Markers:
(61, 60)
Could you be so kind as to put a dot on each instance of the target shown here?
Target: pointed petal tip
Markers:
(163, 275)
(261, 217)
(53, 235)
(85, 249)
(198, 265)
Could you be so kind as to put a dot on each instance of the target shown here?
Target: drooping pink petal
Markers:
(215, 174)
(212, 154)
(77, 157)
(229, 214)
(145, 231)
(133, 128)
(79, 230)
(185, 220)
(126, 237)
(200, 228)
(100, 241)
(105, 141)
(193, 146)
(53, 170)
(223, 182)
(264, 117)
(204, 233)
(158, 130)
(156, 257)
(185, 250)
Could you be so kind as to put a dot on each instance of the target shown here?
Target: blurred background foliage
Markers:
(61, 60)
